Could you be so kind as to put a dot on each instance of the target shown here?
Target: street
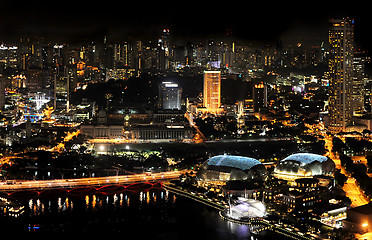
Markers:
(351, 188)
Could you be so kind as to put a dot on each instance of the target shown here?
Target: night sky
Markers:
(264, 21)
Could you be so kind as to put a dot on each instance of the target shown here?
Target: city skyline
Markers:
(122, 117)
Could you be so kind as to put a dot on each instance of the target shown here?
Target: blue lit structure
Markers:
(304, 165)
(228, 167)
(243, 163)
(306, 158)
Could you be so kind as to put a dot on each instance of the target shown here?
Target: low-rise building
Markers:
(359, 219)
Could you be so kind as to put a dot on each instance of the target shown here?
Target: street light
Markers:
(365, 226)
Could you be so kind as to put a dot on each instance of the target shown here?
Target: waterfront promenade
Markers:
(257, 225)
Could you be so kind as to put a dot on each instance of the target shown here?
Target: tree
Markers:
(340, 178)
(231, 127)
(338, 145)
(369, 162)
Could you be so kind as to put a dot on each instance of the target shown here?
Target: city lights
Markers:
(254, 126)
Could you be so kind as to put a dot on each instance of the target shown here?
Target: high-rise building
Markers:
(170, 96)
(212, 91)
(358, 82)
(164, 50)
(2, 93)
(259, 97)
(62, 89)
(340, 63)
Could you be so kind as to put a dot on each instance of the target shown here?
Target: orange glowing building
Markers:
(212, 93)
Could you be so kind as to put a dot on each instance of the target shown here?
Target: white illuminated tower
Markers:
(170, 96)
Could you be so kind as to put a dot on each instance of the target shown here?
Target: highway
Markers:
(96, 181)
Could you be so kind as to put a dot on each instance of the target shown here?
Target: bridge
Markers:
(39, 185)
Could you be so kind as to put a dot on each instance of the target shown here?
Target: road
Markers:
(351, 187)
(61, 145)
(96, 181)
(355, 194)
(58, 148)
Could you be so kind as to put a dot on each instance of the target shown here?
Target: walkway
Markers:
(257, 225)
(196, 197)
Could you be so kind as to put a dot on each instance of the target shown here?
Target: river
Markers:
(153, 214)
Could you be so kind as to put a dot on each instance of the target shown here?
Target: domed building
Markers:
(227, 167)
(302, 165)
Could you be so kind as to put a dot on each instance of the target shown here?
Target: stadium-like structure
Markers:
(228, 167)
(304, 165)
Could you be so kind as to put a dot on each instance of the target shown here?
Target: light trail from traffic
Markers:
(94, 181)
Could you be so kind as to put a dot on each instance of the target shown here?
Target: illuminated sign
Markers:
(3, 47)
(170, 85)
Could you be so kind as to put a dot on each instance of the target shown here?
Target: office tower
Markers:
(340, 63)
(358, 82)
(108, 56)
(189, 55)
(164, 50)
(121, 55)
(170, 96)
(62, 89)
(2, 93)
(259, 97)
(212, 91)
(165, 42)
(34, 80)
(138, 57)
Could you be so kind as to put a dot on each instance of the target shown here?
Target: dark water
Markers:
(155, 214)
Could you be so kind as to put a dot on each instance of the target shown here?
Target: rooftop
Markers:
(364, 209)
(305, 158)
(243, 163)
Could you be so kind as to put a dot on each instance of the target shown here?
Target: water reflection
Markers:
(154, 214)
(241, 231)
(94, 202)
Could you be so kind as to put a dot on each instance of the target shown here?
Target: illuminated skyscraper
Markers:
(164, 50)
(62, 89)
(358, 82)
(170, 95)
(2, 93)
(212, 91)
(341, 41)
(259, 97)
